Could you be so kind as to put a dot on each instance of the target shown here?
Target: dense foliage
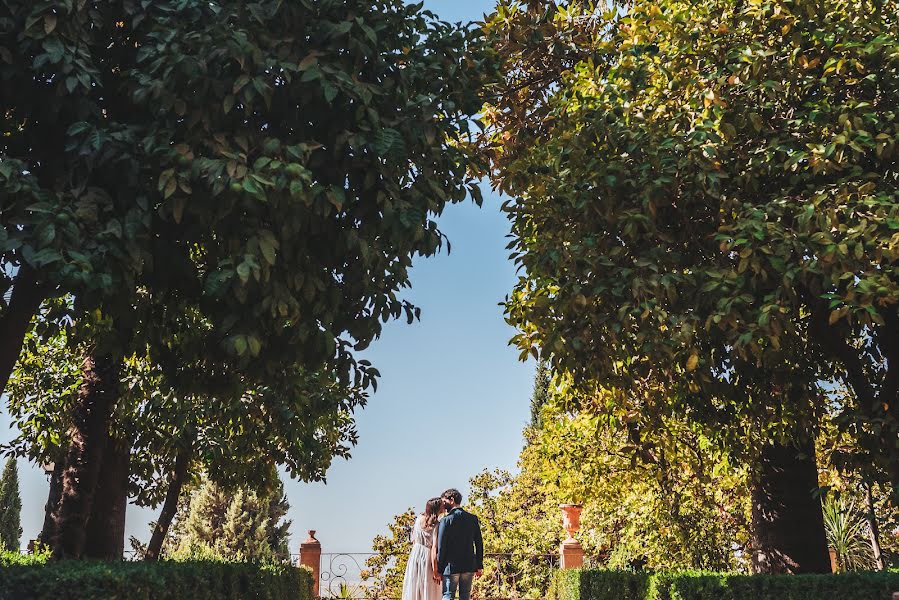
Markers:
(236, 524)
(623, 585)
(38, 556)
(317, 161)
(706, 199)
(202, 580)
(681, 505)
(704, 206)
(215, 214)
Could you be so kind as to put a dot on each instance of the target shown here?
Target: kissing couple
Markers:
(447, 551)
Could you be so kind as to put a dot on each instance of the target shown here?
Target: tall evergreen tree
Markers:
(540, 395)
(10, 507)
(205, 517)
(244, 523)
(245, 531)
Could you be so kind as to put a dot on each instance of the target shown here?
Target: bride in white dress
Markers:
(422, 582)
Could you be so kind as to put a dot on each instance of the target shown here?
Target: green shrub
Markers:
(565, 586)
(15, 557)
(167, 580)
(623, 585)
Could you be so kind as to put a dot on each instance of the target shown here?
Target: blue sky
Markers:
(452, 399)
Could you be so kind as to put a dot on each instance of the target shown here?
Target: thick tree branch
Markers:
(170, 506)
(27, 295)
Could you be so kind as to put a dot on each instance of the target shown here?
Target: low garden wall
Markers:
(166, 580)
(622, 585)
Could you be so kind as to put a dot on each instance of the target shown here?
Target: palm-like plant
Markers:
(847, 534)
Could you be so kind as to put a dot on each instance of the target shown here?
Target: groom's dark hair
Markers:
(454, 495)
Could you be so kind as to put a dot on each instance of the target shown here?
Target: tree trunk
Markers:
(787, 521)
(55, 494)
(873, 528)
(84, 459)
(25, 301)
(106, 525)
(170, 506)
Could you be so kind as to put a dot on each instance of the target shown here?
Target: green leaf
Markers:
(47, 234)
(268, 251)
(243, 271)
(45, 257)
(54, 48)
(240, 344)
(329, 90)
(170, 187)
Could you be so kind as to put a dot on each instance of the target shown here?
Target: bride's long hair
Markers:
(432, 512)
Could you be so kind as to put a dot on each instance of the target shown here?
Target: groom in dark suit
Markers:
(460, 549)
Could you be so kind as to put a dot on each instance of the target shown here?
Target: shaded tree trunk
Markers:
(49, 528)
(787, 520)
(84, 459)
(873, 528)
(106, 525)
(25, 301)
(178, 477)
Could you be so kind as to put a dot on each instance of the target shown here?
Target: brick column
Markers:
(311, 556)
(572, 554)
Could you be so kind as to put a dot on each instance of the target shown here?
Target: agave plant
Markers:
(847, 534)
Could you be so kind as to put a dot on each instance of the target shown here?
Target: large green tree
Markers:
(219, 193)
(302, 423)
(705, 207)
(10, 507)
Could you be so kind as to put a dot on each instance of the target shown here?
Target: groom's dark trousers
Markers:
(460, 552)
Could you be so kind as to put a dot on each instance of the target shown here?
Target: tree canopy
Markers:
(217, 203)
(708, 200)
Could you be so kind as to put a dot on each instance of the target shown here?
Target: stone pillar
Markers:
(572, 553)
(311, 557)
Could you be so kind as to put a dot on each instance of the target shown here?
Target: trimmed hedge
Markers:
(625, 585)
(166, 580)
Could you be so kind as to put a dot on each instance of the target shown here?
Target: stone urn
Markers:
(571, 519)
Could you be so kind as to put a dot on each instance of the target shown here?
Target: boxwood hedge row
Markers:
(592, 584)
(166, 580)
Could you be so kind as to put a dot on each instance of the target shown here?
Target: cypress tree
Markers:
(205, 517)
(10, 507)
(540, 395)
(245, 532)
(240, 523)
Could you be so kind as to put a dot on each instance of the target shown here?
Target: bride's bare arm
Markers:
(434, 555)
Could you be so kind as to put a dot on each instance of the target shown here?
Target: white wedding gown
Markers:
(418, 584)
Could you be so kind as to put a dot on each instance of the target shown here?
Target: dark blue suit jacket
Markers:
(460, 548)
